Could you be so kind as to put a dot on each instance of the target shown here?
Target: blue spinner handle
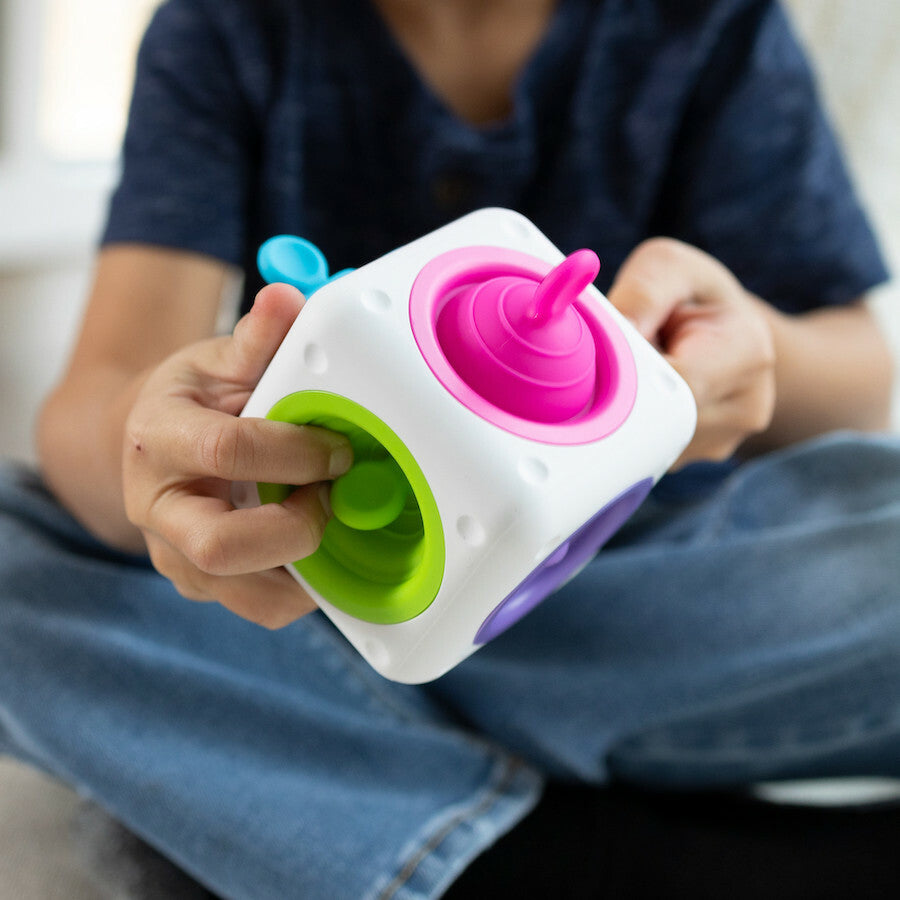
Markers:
(295, 261)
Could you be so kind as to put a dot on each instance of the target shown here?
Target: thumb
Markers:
(651, 283)
(641, 305)
(260, 332)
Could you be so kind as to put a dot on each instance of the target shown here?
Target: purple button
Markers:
(565, 562)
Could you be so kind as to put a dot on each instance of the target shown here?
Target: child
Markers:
(743, 626)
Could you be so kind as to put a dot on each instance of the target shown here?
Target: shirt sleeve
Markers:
(758, 178)
(188, 149)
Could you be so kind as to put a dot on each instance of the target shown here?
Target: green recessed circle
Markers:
(382, 555)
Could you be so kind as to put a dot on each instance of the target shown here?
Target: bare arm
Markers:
(145, 303)
(833, 370)
(142, 439)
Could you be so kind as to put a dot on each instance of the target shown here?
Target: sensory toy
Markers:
(505, 420)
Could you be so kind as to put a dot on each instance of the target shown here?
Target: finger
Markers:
(745, 412)
(649, 285)
(706, 360)
(719, 351)
(260, 332)
(724, 424)
(642, 303)
(662, 275)
(272, 599)
(199, 442)
(219, 540)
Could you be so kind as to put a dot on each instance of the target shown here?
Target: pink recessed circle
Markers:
(616, 379)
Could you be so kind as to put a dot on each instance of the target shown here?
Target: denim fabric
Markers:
(751, 634)
(268, 765)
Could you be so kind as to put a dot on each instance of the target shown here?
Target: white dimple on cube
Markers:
(376, 301)
(471, 531)
(315, 359)
(533, 470)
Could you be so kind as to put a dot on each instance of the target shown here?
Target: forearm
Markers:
(145, 304)
(79, 441)
(833, 370)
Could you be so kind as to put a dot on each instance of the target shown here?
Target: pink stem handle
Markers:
(562, 284)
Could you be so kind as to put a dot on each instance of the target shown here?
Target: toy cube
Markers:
(505, 421)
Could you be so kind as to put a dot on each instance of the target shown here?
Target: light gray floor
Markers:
(37, 858)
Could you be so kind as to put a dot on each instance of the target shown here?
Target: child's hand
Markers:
(712, 331)
(184, 445)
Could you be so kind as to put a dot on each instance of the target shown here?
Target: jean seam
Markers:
(756, 739)
(506, 772)
(766, 741)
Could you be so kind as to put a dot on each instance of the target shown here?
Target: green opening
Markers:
(382, 555)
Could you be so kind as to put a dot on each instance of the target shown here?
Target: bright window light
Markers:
(87, 62)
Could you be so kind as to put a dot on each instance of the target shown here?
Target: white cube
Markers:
(491, 510)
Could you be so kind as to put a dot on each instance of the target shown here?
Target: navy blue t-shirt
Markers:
(691, 118)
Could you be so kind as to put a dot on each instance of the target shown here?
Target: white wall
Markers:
(39, 310)
(856, 52)
(50, 212)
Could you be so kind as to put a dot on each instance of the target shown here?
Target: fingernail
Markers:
(340, 461)
(325, 497)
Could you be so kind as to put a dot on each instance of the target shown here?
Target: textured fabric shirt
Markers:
(692, 118)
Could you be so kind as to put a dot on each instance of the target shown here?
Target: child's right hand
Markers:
(185, 444)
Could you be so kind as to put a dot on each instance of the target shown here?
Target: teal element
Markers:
(382, 555)
(293, 260)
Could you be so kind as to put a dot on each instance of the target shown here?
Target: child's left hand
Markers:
(712, 331)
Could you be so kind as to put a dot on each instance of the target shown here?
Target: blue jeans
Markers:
(750, 634)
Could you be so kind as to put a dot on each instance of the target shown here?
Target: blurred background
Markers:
(65, 76)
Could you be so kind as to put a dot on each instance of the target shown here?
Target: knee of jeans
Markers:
(835, 719)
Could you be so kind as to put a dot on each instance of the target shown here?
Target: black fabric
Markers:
(584, 844)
